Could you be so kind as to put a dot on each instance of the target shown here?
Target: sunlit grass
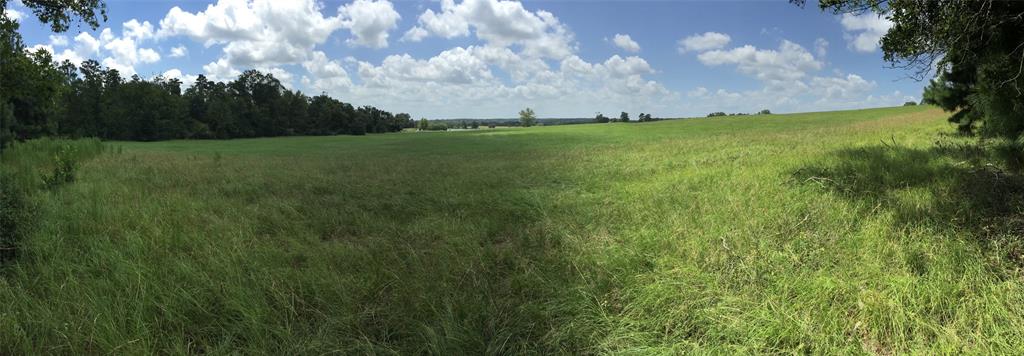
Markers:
(839, 232)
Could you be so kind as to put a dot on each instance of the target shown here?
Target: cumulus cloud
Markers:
(221, 70)
(253, 33)
(789, 79)
(122, 52)
(820, 47)
(851, 86)
(186, 79)
(499, 23)
(369, 21)
(58, 40)
(415, 34)
(863, 32)
(328, 75)
(790, 63)
(469, 81)
(136, 30)
(626, 43)
(13, 14)
(703, 42)
(179, 51)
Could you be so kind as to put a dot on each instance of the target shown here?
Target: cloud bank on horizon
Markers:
(490, 58)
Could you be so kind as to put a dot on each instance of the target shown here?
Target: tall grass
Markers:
(839, 232)
(23, 171)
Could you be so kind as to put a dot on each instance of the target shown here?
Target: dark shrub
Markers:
(16, 215)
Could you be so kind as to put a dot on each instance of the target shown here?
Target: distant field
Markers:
(870, 231)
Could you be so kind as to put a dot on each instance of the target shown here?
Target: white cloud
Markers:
(328, 75)
(120, 53)
(148, 55)
(13, 14)
(125, 54)
(253, 33)
(788, 64)
(86, 45)
(499, 23)
(282, 75)
(58, 40)
(221, 71)
(415, 34)
(369, 21)
(626, 43)
(851, 86)
(186, 79)
(138, 31)
(179, 51)
(467, 82)
(820, 47)
(864, 31)
(703, 42)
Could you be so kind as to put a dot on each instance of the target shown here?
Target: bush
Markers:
(16, 215)
(910, 103)
(63, 169)
(440, 126)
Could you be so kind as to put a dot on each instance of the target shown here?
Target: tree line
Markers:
(41, 97)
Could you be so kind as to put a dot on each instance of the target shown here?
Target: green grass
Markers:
(871, 231)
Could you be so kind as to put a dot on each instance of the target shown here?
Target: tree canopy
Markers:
(39, 97)
(527, 117)
(975, 49)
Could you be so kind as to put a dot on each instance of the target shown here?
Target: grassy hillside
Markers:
(870, 231)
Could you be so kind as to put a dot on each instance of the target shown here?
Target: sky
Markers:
(491, 58)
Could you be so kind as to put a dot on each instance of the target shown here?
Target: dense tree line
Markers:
(40, 97)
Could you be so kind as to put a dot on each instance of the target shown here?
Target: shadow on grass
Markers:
(948, 187)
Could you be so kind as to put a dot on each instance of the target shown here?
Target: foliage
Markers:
(63, 169)
(20, 165)
(17, 215)
(764, 112)
(39, 97)
(976, 46)
(437, 126)
(423, 124)
(61, 13)
(624, 117)
(601, 119)
(910, 103)
(527, 117)
(717, 113)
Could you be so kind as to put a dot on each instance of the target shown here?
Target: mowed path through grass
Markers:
(869, 231)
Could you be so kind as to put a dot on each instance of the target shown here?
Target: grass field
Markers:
(871, 231)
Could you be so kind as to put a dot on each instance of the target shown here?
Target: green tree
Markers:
(61, 13)
(624, 117)
(601, 119)
(423, 125)
(527, 117)
(26, 92)
(976, 47)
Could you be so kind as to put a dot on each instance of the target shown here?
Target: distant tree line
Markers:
(721, 113)
(41, 97)
(624, 117)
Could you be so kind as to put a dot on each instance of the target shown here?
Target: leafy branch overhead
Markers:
(975, 48)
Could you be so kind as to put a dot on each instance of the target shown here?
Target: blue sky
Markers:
(490, 58)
